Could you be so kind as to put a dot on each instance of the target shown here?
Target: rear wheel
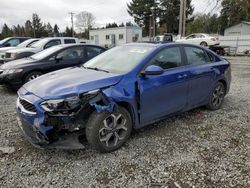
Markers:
(107, 132)
(217, 97)
(32, 76)
(204, 44)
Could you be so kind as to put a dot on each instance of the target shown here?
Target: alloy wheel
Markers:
(113, 130)
(218, 95)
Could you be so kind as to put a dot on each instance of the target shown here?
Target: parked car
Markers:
(27, 43)
(38, 47)
(200, 39)
(12, 41)
(18, 72)
(167, 37)
(126, 87)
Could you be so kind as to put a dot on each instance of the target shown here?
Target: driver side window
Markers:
(71, 54)
(168, 58)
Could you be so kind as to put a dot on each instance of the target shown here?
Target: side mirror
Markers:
(58, 59)
(153, 70)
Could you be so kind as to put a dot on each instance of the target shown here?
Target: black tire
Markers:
(104, 138)
(204, 44)
(216, 98)
(32, 76)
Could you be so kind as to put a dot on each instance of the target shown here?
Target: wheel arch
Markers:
(30, 71)
(130, 109)
(224, 83)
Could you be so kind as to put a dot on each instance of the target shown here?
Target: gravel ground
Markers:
(199, 148)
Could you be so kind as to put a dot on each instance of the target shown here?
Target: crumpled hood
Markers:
(22, 50)
(70, 81)
(17, 63)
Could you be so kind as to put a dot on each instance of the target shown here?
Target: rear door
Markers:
(201, 74)
(167, 93)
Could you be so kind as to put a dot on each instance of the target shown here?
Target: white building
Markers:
(111, 37)
(242, 28)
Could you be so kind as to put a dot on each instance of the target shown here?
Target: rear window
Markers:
(196, 56)
(69, 41)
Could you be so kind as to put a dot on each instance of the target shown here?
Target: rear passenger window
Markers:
(52, 43)
(93, 51)
(196, 56)
(69, 41)
(168, 58)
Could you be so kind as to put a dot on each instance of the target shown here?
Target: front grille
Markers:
(7, 55)
(27, 105)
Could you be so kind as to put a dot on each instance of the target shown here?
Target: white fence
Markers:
(241, 43)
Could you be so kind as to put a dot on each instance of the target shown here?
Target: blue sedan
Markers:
(125, 88)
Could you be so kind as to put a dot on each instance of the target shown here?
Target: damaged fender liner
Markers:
(68, 127)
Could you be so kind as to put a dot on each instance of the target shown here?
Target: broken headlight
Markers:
(67, 104)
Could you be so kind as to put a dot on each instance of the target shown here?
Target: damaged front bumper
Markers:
(62, 130)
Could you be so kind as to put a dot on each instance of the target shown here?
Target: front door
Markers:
(167, 93)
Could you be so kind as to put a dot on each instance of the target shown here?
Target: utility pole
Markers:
(72, 22)
(182, 17)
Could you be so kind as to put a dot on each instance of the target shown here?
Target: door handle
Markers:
(182, 76)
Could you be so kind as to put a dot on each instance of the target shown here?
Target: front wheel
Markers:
(217, 97)
(204, 44)
(32, 76)
(107, 132)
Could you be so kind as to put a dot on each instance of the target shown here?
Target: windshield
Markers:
(25, 43)
(39, 44)
(45, 53)
(120, 59)
(4, 40)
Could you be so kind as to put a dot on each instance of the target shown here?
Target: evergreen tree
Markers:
(6, 31)
(68, 32)
(38, 27)
(56, 30)
(233, 12)
(49, 29)
(28, 29)
(141, 10)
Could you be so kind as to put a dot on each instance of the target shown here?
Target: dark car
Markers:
(16, 73)
(126, 87)
(12, 41)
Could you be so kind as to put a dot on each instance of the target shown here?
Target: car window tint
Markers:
(168, 58)
(93, 51)
(196, 56)
(52, 43)
(69, 41)
(71, 53)
(13, 42)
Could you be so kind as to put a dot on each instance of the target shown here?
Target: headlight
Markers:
(11, 71)
(13, 55)
(61, 104)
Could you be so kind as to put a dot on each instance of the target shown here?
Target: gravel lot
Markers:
(199, 148)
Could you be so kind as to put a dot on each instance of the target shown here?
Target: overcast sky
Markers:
(15, 12)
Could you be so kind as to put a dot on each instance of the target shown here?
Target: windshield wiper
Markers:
(96, 69)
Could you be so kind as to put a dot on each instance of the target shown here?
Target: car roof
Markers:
(77, 44)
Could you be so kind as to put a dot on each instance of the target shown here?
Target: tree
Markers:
(49, 29)
(28, 29)
(56, 30)
(68, 32)
(204, 23)
(6, 31)
(111, 25)
(141, 11)
(85, 21)
(169, 14)
(38, 26)
(233, 12)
